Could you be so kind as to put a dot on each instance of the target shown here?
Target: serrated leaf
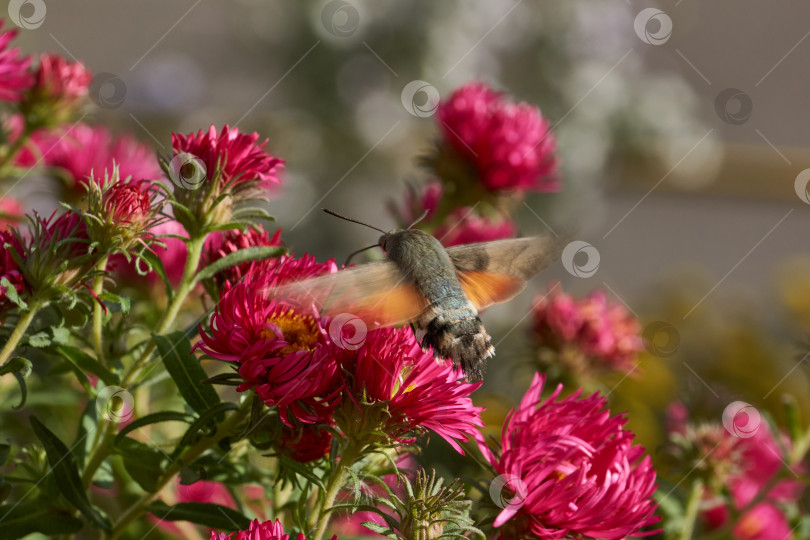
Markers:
(21, 519)
(186, 371)
(143, 462)
(85, 362)
(210, 515)
(153, 418)
(61, 335)
(257, 253)
(66, 474)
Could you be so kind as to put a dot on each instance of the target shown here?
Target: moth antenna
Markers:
(332, 212)
(349, 258)
(420, 218)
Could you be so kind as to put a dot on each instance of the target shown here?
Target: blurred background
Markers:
(681, 130)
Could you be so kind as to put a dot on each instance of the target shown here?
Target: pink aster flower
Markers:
(745, 467)
(236, 156)
(509, 145)
(574, 470)
(11, 212)
(418, 200)
(127, 202)
(60, 80)
(465, 226)
(419, 391)
(591, 334)
(81, 150)
(15, 77)
(224, 243)
(268, 530)
(282, 350)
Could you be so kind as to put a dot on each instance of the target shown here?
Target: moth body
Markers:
(450, 321)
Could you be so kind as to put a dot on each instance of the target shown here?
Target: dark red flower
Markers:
(305, 443)
(268, 530)
(127, 202)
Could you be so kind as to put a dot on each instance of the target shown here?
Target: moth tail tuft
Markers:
(465, 342)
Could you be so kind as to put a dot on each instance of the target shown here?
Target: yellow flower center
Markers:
(300, 331)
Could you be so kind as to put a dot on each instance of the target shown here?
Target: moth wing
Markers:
(376, 292)
(495, 272)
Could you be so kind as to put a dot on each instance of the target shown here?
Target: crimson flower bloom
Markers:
(60, 80)
(268, 530)
(465, 226)
(15, 77)
(127, 202)
(509, 145)
(305, 443)
(82, 150)
(235, 156)
(221, 244)
(418, 391)
(282, 350)
(588, 335)
(575, 470)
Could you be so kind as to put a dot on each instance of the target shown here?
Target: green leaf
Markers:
(66, 474)
(154, 418)
(22, 519)
(116, 303)
(257, 253)
(157, 265)
(40, 340)
(143, 463)
(11, 293)
(206, 418)
(85, 362)
(207, 514)
(185, 369)
(21, 368)
(5, 450)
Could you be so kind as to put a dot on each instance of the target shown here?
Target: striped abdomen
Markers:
(450, 321)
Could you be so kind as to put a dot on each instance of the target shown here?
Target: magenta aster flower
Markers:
(575, 470)
(419, 391)
(82, 150)
(224, 243)
(236, 156)
(305, 442)
(268, 530)
(589, 335)
(128, 202)
(509, 145)
(59, 80)
(282, 349)
(15, 77)
(744, 467)
(465, 226)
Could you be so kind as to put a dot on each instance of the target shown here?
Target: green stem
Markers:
(337, 478)
(223, 430)
(195, 247)
(692, 508)
(19, 331)
(98, 311)
(100, 450)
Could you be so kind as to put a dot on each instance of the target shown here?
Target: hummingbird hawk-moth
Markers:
(438, 290)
